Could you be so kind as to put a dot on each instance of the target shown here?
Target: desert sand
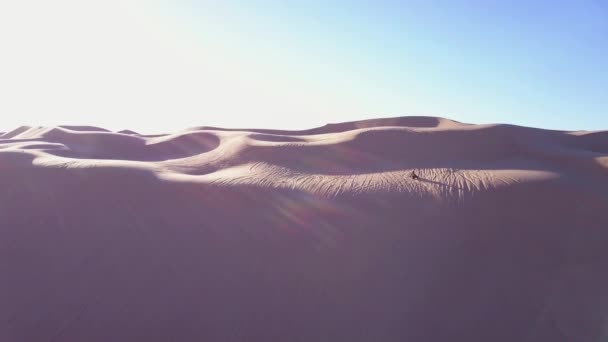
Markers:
(213, 234)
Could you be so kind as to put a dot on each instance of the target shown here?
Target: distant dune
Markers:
(213, 234)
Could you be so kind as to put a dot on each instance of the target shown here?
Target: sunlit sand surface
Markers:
(213, 234)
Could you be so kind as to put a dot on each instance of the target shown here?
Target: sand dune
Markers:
(216, 234)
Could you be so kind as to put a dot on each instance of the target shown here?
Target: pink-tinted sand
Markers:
(319, 235)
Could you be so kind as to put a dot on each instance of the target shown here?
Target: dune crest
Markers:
(315, 235)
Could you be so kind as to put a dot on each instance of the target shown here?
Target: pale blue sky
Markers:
(165, 65)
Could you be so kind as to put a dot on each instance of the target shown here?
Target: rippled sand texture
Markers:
(212, 234)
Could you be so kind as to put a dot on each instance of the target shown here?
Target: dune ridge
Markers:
(313, 235)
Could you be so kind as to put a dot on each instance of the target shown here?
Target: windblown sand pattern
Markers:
(213, 234)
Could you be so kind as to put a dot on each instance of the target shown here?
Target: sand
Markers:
(213, 234)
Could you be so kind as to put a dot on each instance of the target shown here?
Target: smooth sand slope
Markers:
(212, 234)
